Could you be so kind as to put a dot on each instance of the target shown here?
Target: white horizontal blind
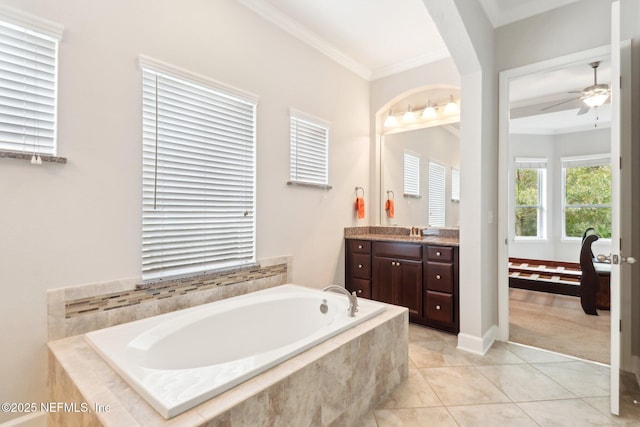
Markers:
(309, 151)
(578, 162)
(455, 185)
(198, 177)
(28, 88)
(411, 174)
(436, 195)
(529, 163)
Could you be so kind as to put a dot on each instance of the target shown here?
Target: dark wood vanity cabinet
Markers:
(421, 277)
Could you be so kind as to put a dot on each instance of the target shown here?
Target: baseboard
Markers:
(477, 345)
(37, 419)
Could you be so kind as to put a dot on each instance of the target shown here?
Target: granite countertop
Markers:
(447, 237)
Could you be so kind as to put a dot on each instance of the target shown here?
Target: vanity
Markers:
(418, 272)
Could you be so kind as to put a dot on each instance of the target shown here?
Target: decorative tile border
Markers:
(80, 309)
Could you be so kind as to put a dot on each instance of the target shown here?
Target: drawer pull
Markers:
(393, 263)
(438, 253)
(398, 264)
(359, 291)
(437, 307)
(438, 276)
(359, 265)
(359, 246)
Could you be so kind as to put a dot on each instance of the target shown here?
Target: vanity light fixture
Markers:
(391, 120)
(429, 112)
(451, 107)
(409, 116)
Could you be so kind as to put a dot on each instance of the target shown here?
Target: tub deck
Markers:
(337, 381)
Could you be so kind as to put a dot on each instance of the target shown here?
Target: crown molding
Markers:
(500, 16)
(409, 64)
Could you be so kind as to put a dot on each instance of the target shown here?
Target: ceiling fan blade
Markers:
(559, 103)
(583, 110)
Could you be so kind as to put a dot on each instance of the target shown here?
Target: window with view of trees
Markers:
(530, 177)
(587, 196)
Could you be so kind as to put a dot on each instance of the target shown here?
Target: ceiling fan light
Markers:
(451, 107)
(390, 121)
(595, 100)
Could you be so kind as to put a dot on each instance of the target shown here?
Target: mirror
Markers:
(408, 160)
(420, 159)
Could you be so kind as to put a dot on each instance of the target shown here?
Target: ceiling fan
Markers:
(592, 96)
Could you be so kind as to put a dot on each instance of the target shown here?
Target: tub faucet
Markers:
(353, 301)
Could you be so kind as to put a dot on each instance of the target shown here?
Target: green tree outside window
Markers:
(588, 200)
(527, 204)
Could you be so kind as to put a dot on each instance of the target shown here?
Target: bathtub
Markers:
(178, 360)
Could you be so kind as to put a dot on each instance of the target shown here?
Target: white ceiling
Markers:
(379, 38)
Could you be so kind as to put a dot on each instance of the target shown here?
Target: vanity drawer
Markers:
(439, 307)
(362, 287)
(359, 246)
(439, 253)
(361, 266)
(397, 250)
(440, 277)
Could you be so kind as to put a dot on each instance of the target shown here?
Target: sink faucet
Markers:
(353, 301)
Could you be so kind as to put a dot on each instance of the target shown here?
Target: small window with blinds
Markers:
(198, 175)
(411, 174)
(309, 151)
(437, 194)
(28, 89)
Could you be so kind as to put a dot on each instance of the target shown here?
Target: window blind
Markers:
(578, 162)
(436, 195)
(455, 185)
(198, 177)
(529, 163)
(411, 174)
(28, 90)
(309, 151)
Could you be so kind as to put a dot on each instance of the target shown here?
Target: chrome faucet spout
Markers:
(353, 300)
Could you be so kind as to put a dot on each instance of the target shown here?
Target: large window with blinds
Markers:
(437, 194)
(28, 89)
(411, 172)
(308, 150)
(530, 188)
(198, 174)
(586, 200)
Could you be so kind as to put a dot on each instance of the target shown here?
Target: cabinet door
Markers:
(409, 286)
(384, 270)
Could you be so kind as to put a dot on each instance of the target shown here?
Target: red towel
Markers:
(360, 207)
(390, 208)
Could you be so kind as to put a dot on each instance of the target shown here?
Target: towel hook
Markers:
(359, 188)
(392, 195)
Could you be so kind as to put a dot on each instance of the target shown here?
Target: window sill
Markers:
(309, 184)
(28, 156)
(412, 196)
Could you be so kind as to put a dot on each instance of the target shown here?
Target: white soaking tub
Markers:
(180, 359)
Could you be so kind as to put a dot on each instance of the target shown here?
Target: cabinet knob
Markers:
(397, 264)
(359, 246)
(359, 265)
(359, 291)
(438, 276)
(437, 307)
(438, 253)
(393, 263)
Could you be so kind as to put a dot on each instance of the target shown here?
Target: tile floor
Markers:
(513, 385)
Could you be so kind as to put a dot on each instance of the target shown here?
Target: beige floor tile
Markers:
(413, 393)
(415, 417)
(524, 383)
(493, 415)
(369, 420)
(431, 354)
(462, 386)
(583, 379)
(536, 355)
(422, 333)
(498, 354)
(570, 412)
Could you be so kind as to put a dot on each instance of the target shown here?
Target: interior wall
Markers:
(554, 148)
(431, 144)
(79, 223)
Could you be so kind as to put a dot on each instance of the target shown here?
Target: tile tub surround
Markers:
(334, 383)
(80, 309)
